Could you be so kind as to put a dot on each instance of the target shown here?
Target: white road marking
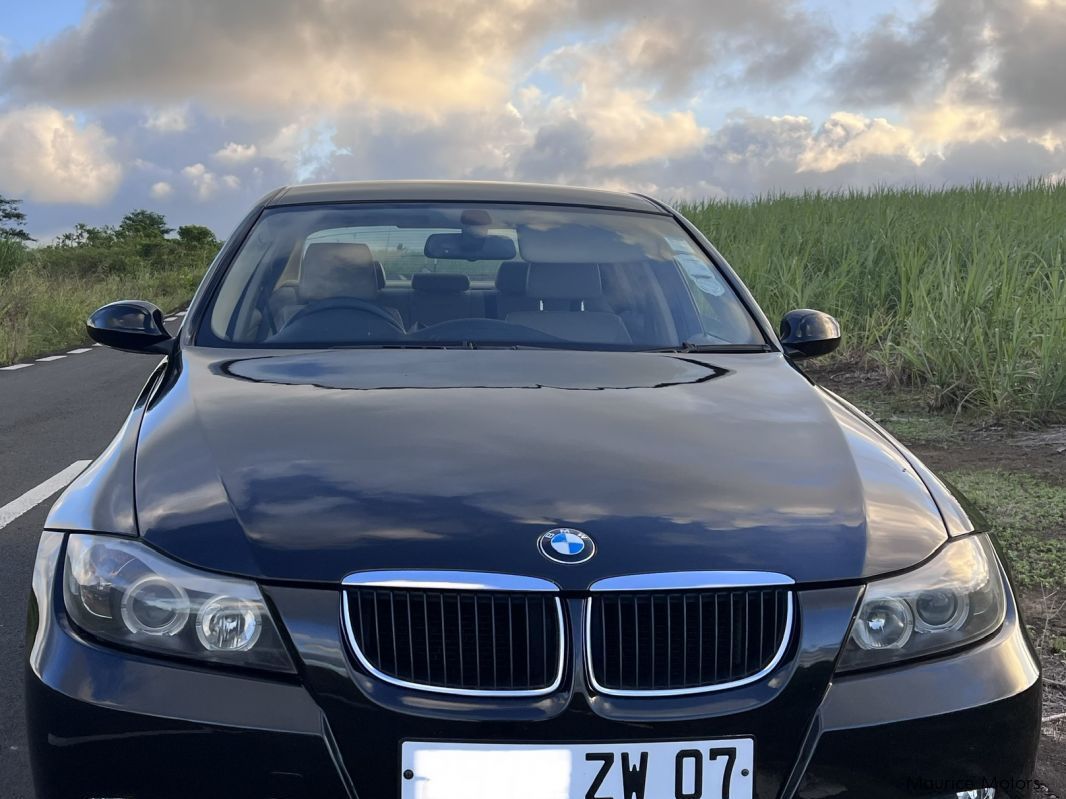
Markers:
(98, 345)
(170, 319)
(14, 366)
(181, 313)
(80, 351)
(51, 358)
(35, 496)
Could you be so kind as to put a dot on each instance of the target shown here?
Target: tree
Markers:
(141, 224)
(12, 220)
(197, 236)
(87, 236)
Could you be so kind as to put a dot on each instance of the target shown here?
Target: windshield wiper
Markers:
(554, 345)
(698, 348)
(406, 345)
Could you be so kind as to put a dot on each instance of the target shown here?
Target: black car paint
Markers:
(806, 333)
(258, 465)
(216, 457)
(131, 326)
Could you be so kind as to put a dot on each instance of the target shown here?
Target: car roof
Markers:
(458, 191)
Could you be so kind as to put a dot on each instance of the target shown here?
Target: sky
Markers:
(195, 108)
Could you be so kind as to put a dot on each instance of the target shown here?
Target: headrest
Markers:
(511, 277)
(549, 281)
(338, 269)
(567, 243)
(439, 282)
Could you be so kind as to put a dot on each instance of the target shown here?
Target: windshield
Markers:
(490, 275)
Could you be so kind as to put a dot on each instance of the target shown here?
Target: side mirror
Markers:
(132, 326)
(808, 334)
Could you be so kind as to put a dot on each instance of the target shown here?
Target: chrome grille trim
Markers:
(691, 582)
(473, 582)
(448, 581)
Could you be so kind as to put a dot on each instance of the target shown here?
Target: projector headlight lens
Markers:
(226, 624)
(120, 591)
(957, 598)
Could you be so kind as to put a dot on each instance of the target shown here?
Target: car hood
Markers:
(309, 466)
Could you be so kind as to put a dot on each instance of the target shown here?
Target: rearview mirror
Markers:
(131, 326)
(469, 247)
(806, 333)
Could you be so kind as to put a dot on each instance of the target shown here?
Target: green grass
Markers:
(907, 416)
(1028, 516)
(960, 292)
(46, 294)
(40, 313)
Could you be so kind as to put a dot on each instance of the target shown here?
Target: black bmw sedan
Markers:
(496, 491)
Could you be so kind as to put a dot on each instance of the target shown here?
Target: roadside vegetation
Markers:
(959, 293)
(1017, 478)
(47, 292)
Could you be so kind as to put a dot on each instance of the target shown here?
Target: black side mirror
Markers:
(808, 334)
(132, 326)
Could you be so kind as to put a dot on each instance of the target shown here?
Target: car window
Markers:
(491, 274)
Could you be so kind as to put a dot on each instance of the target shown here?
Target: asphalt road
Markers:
(52, 414)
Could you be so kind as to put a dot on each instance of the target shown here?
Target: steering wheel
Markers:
(345, 304)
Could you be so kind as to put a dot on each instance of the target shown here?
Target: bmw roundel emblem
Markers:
(566, 545)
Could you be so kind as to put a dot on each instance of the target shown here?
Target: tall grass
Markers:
(46, 294)
(962, 292)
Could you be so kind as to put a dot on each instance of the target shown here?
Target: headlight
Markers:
(125, 593)
(956, 598)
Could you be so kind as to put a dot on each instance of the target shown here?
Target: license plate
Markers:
(722, 769)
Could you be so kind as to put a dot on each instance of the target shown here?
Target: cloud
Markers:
(234, 153)
(45, 155)
(1032, 62)
(173, 119)
(161, 190)
(751, 155)
(612, 127)
(206, 183)
(848, 138)
(1005, 55)
(261, 54)
(425, 59)
(751, 43)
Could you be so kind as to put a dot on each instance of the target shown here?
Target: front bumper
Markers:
(106, 723)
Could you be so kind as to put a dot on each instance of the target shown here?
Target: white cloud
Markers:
(424, 59)
(626, 131)
(207, 183)
(307, 146)
(161, 190)
(173, 119)
(848, 138)
(1005, 55)
(45, 155)
(613, 127)
(234, 153)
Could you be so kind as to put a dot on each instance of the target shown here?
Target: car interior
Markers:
(544, 283)
(341, 287)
